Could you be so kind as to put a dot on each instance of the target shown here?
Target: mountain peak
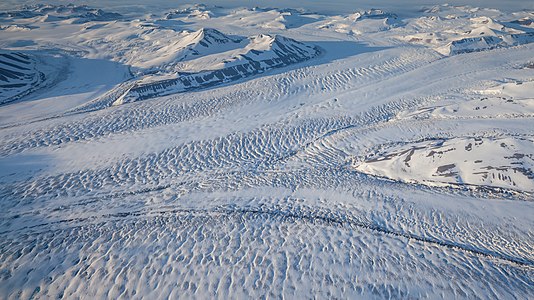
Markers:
(209, 36)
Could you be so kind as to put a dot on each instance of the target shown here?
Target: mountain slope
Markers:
(497, 163)
(193, 45)
(18, 75)
(264, 52)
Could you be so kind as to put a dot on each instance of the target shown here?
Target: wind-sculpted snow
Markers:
(279, 153)
(184, 107)
(261, 148)
(237, 253)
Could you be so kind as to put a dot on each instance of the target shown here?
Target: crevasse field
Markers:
(212, 151)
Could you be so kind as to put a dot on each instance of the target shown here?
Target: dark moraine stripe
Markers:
(13, 65)
(15, 58)
(14, 85)
(11, 74)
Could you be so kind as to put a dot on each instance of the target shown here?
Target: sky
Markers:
(403, 8)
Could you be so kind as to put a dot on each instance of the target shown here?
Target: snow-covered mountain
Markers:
(262, 53)
(51, 13)
(197, 11)
(151, 47)
(481, 162)
(368, 21)
(449, 34)
(481, 43)
(192, 45)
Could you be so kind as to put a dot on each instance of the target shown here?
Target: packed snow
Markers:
(485, 162)
(206, 151)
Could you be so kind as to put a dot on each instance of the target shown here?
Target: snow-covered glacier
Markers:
(163, 150)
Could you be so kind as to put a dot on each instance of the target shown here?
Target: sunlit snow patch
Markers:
(457, 30)
(505, 100)
(368, 21)
(485, 162)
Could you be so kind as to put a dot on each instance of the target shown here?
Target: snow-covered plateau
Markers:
(245, 152)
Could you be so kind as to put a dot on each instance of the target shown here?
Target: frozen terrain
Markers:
(208, 152)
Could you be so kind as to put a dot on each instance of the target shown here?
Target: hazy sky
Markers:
(338, 7)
